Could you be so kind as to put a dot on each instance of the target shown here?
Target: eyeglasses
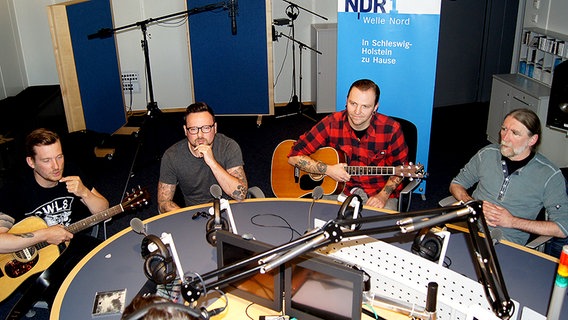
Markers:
(205, 129)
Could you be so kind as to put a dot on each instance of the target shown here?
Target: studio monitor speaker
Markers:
(558, 105)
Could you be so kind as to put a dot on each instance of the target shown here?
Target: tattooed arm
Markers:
(10, 242)
(380, 199)
(305, 163)
(233, 181)
(166, 194)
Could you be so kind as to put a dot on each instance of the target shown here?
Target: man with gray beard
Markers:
(515, 182)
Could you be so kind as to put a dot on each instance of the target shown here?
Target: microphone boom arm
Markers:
(191, 290)
(484, 256)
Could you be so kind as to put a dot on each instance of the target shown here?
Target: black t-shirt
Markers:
(25, 198)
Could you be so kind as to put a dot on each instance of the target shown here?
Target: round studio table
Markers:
(116, 264)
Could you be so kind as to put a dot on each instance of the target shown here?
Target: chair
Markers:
(411, 137)
(255, 192)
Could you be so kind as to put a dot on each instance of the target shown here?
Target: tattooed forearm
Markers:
(396, 180)
(25, 235)
(321, 167)
(165, 197)
(240, 193)
(303, 165)
(241, 189)
(392, 184)
(309, 165)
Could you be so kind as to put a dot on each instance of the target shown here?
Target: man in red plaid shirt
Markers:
(367, 138)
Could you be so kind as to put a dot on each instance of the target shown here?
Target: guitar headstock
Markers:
(410, 170)
(139, 197)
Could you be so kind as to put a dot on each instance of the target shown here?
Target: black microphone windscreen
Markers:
(216, 191)
(361, 193)
(138, 226)
(317, 193)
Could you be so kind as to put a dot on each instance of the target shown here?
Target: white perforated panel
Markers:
(402, 276)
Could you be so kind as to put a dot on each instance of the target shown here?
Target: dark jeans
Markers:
(554, 246)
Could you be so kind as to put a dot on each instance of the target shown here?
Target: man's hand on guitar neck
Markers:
(54, 234)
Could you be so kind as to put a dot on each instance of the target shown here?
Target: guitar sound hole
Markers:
(15, 268)
(307, 183)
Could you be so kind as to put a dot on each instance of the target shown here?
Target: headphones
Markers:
(158, 265)
(215, 223)
(347, 211)
(427, 245)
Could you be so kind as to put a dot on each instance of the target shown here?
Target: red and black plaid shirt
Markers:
(382, 145)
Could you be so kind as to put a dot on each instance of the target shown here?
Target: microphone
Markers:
(217, 222)
(281, 22)
(496, 236)
(216, 192)
(138, 226)
(102, 34)
(431, 297)
(317, 194)
(233, 7)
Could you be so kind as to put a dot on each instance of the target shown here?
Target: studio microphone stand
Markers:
(152, 106)
(152, 109)
(295, 106)
(296, 103)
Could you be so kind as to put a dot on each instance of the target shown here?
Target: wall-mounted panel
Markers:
(232, 72)
(88, 68)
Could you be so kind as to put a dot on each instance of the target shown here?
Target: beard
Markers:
(508, 151)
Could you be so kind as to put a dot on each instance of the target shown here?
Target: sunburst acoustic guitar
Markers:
(18, 266)
(290, 182)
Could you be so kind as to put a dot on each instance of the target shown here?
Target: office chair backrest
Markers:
(410, 136)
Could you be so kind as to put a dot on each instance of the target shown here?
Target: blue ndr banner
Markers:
(395, 44)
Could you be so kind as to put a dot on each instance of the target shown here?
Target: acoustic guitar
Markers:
(290, 182)
(18, 266)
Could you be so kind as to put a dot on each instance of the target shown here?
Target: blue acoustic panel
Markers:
(96, 64)
(230, 72)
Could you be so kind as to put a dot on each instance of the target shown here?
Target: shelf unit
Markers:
(513, 91)
(540, 52)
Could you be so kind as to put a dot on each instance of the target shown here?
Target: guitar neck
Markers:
(370, 170)
(94, 219)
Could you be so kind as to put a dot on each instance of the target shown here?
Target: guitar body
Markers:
(290, 182)
(17, 268)
(283, 181)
